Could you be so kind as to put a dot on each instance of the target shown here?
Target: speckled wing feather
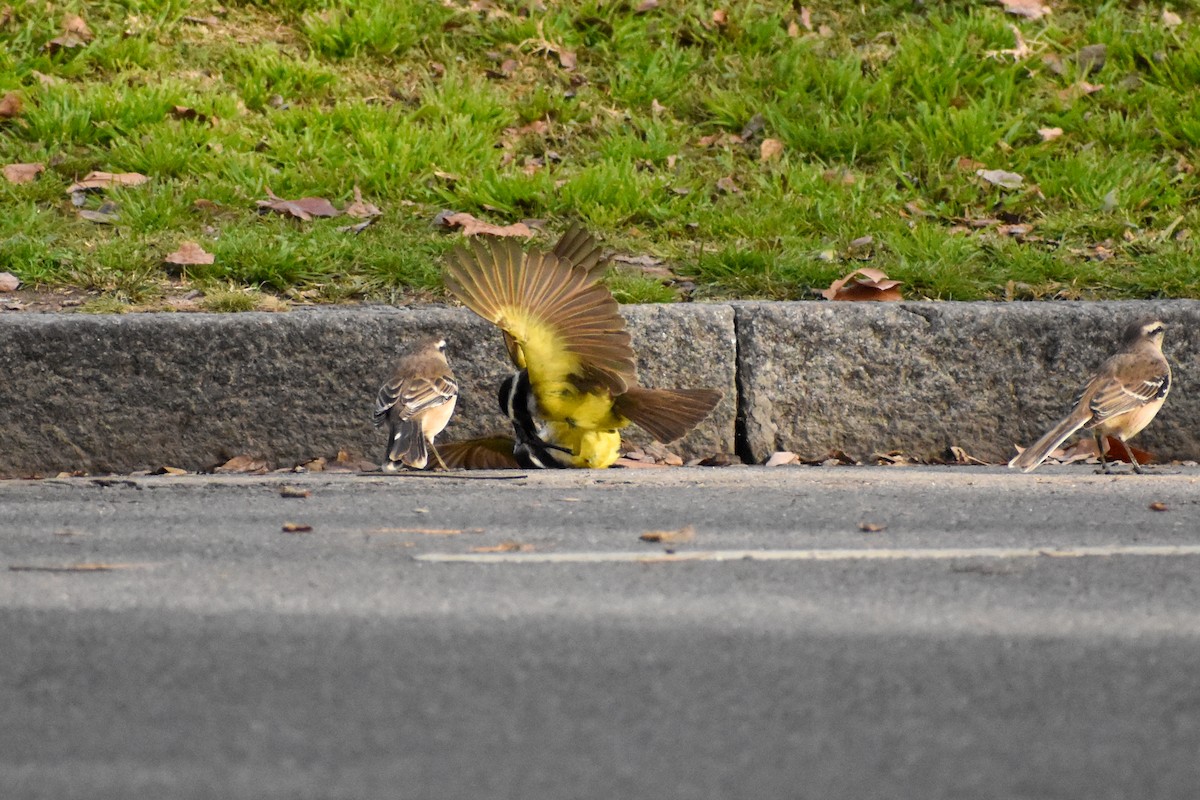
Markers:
(565, 325)
(1125, 383)
(410, 394)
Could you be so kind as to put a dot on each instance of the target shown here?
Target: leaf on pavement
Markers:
(244, 463)
(781, 458)
(99, 181)
(1158, 506)
(873, 284)
(504, 547)
(871, 527)
(679, 536)
(23, 173)
(189, 254)
(293, 491)
(297, 527)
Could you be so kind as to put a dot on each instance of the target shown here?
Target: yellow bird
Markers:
(577, 382)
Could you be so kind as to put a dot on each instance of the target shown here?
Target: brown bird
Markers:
(1121, 398)
(577, 381)
(417, 403)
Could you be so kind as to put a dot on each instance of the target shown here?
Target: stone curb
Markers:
(131, 392)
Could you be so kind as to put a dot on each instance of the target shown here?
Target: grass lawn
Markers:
(751, 149)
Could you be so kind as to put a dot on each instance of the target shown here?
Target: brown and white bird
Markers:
(1121, 398)
(417, 403)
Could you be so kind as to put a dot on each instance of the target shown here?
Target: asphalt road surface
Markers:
(890, 632)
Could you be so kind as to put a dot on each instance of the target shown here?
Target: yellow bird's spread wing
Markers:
(579, 248)
(563, 325)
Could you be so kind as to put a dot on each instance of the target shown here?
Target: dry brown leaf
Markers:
(74, 24)
(244, 463)
(1158, 506)
(727, 185)
(872, 527)
(769, 150)
(504, 547)
(296, 527)
(303, 209)
(23, 173)
(475, 227)
(1050, 134)
(646, 5)
(1030, 9)
(189, 254)
(11, 105)
(566, 58)
(293, 491)
(782, 457)
(101, 216)
(98, 181)
(873, 285)
(9, 282)
(361, 209)
(806, 18)
(1171, 19)
(793, 29)
(685, 534)
(720, 18)
(724, 137)
(172, 471)
(961, 456)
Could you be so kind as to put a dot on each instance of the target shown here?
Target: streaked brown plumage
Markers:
(1119, 401)
(417, 403)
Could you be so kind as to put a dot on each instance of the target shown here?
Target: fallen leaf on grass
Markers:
(293, 491)
(303, 209)
(872, 527)
(1030, 9)
(504, 547)
(9, 282)
(23, 173)
(189, 254)
(99, 181)
(1091, 58)
(1171, 19)
(1158, 506)
(360, 209)
(685, 534)
(720, 18)
(11, 105)
(727, 185)
(358, 227)
(296, 527)
(244, 463)
(723, 137)
(873, 285)
(75, 33)
(998, 177)
(1050, 134)
(475, 227)
(105, 215)
(769, 150)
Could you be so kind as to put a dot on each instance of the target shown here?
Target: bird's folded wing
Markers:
(1119, 391)
(491, 452)
(565, 325)
(414, 395)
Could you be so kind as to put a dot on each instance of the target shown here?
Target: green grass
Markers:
(884, 112)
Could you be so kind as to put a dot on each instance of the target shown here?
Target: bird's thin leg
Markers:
(438, 456)
(1136, 466)
(1100, 452)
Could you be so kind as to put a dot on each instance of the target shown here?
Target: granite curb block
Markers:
(139, 391)
(122, 393)
(920, 377)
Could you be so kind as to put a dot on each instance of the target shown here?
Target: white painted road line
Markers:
(917, 554)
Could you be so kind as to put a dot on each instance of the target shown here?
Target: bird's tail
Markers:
(408, 445)
(666, 414)
(1028, 459)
